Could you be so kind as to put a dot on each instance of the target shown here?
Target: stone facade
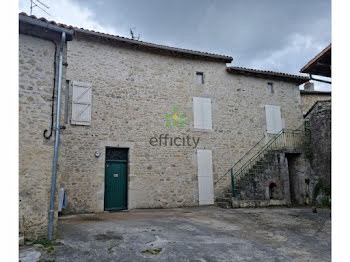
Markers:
(36, 73)
(308, 99)
(320, 129)
(132, 91)
(273, 178)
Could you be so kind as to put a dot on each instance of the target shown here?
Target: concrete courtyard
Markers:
(190, 234)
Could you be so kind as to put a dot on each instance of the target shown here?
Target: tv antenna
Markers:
(133, 37)
(40, 5)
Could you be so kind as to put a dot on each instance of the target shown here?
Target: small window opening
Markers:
(199, 78)
(272, 191)
(270, 88)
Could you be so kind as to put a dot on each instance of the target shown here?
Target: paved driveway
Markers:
(191, 234)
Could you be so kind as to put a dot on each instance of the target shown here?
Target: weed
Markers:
(49, 250)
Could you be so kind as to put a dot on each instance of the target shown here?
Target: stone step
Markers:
(224, 204)
(228, 195)
(223, 199)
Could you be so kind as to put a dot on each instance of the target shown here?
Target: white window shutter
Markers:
(202, 113)
(273, 119)
(206, 111)
(81, 103)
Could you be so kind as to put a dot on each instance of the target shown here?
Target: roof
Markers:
(320, 64)
(267, 74)
(173, 50)
(315, 92)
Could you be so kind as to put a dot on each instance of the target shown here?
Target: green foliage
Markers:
(321, 187)
(44, 242)
(324, 201)
(49, 250)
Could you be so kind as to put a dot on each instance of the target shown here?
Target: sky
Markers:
(262, 34)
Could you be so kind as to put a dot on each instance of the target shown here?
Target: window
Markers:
(202, 113)
(199, 78)
(81, 103)
(273, 119)
(270, 88)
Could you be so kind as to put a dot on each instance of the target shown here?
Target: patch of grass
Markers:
(49, 250)
(152, 252)
(44, 242)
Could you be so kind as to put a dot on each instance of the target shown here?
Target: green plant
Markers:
(324, 201)
(321, 187)
(49, 250)
(44, 242)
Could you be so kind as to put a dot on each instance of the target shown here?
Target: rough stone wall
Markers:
(299, 171)
(36, 72)
(132, 91)
(320, 128)
(308, 100)
(257, 187)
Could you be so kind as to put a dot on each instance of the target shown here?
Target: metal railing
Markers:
(286, 139)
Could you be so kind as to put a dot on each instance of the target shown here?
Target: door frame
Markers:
(127, 177)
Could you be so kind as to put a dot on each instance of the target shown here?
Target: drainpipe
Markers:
(57, 137)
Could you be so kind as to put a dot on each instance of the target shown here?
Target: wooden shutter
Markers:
(202, 113)
(81, 103)
(273, 119)
(205, 177)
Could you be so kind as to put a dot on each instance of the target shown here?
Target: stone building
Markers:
(144, 125)
(309, 96)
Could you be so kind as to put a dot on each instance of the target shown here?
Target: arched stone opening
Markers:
(273, 190)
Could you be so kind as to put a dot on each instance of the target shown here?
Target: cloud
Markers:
(270, 34)
(71, 13)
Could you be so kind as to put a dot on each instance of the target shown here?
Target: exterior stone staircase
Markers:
(246, 172)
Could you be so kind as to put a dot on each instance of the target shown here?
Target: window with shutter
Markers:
(81, 103)
(202, 113)
(273, 119)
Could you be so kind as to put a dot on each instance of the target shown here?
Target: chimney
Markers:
(308, 86)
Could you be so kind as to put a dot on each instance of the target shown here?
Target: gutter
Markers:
(267, 74)
(57, 137)
(36, 22)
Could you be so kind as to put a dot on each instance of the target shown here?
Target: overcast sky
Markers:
(263, 34)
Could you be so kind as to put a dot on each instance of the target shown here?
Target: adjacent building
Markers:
(320, 65)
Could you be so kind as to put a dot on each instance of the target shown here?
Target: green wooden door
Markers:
(116, 185)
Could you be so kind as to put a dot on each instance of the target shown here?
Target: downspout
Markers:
(57, 127)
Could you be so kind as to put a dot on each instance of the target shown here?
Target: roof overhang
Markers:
(268, 74)
(156, 47)
(52, 26)
(320, 64)
(24, 21)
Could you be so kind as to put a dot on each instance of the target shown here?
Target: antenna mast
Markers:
(40, 5)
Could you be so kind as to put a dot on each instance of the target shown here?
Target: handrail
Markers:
(268, 145)
(283, 139)
(239, 160)
(273, 139)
